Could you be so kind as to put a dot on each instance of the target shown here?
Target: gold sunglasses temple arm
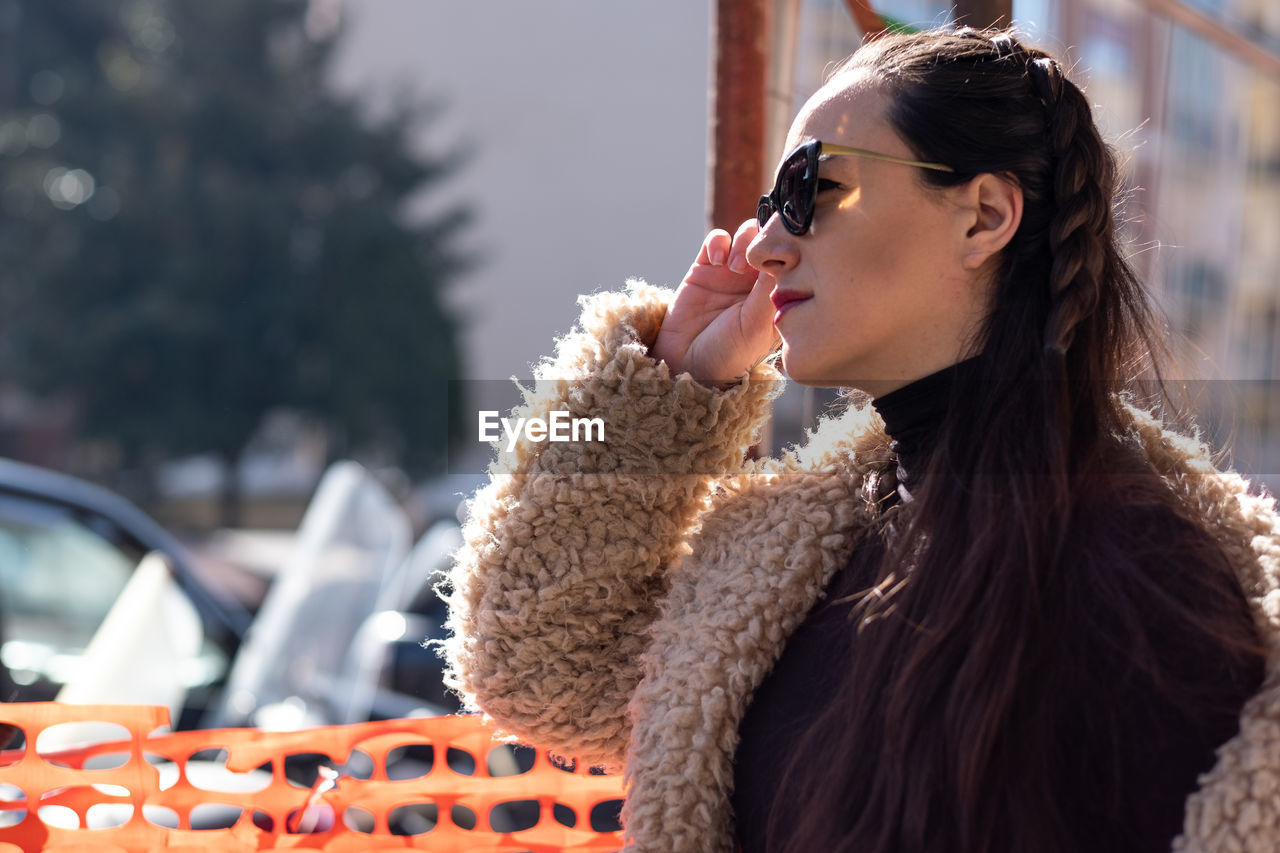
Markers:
(862, 152)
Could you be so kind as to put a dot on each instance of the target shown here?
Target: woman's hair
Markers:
(942, 735)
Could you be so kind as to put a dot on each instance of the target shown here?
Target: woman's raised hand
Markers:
(720, 322)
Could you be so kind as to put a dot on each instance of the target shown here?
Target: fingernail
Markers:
(739, 263)
(718, 257)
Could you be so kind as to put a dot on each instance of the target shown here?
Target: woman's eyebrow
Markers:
(827, 161)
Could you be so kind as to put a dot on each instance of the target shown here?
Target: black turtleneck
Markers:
(913, 414)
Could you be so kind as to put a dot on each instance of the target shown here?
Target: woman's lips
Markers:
(785, 300)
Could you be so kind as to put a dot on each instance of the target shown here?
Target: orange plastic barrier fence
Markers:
(141, 791)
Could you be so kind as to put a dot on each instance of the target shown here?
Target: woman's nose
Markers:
(774, 249)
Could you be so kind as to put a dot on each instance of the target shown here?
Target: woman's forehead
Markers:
(847, 110)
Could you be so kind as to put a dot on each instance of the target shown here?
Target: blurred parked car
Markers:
(336, 640)
(67, 551)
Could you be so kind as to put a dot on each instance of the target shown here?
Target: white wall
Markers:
(589, 119)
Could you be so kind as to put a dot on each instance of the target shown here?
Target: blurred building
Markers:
(1208, 160)
(584, 125)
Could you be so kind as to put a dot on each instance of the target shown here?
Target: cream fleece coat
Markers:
(620, 601)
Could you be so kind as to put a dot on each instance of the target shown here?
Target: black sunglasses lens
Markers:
(764, 210)
(795, 193)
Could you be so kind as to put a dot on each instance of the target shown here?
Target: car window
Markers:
(58, 579)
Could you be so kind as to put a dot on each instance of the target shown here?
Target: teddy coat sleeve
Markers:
(566, 550)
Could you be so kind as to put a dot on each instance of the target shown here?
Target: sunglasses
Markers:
(796, 191)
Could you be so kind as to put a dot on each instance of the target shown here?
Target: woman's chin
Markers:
(815, 380)
(809, 371)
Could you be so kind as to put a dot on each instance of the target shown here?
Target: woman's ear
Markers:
(993, 211)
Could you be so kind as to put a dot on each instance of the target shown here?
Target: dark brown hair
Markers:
(938, 734)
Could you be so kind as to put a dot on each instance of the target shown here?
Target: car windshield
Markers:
(59, 580)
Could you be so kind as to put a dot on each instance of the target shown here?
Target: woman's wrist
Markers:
(674, 371)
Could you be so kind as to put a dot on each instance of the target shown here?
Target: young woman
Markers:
(1001, 607)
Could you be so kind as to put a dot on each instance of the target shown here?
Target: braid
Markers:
(1079, 180)
(1080, 229)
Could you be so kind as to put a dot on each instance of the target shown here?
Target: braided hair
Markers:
(983, 586)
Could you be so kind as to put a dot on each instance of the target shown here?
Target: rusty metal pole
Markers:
(984, 13)
(740, 35)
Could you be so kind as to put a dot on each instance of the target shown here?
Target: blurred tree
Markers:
(195, 229)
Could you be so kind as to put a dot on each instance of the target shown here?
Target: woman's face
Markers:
(878, 292)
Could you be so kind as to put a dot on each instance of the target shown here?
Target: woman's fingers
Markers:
(721, 264)
(715, 248)
(757, 315)
(719, 249)
(738, 251)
